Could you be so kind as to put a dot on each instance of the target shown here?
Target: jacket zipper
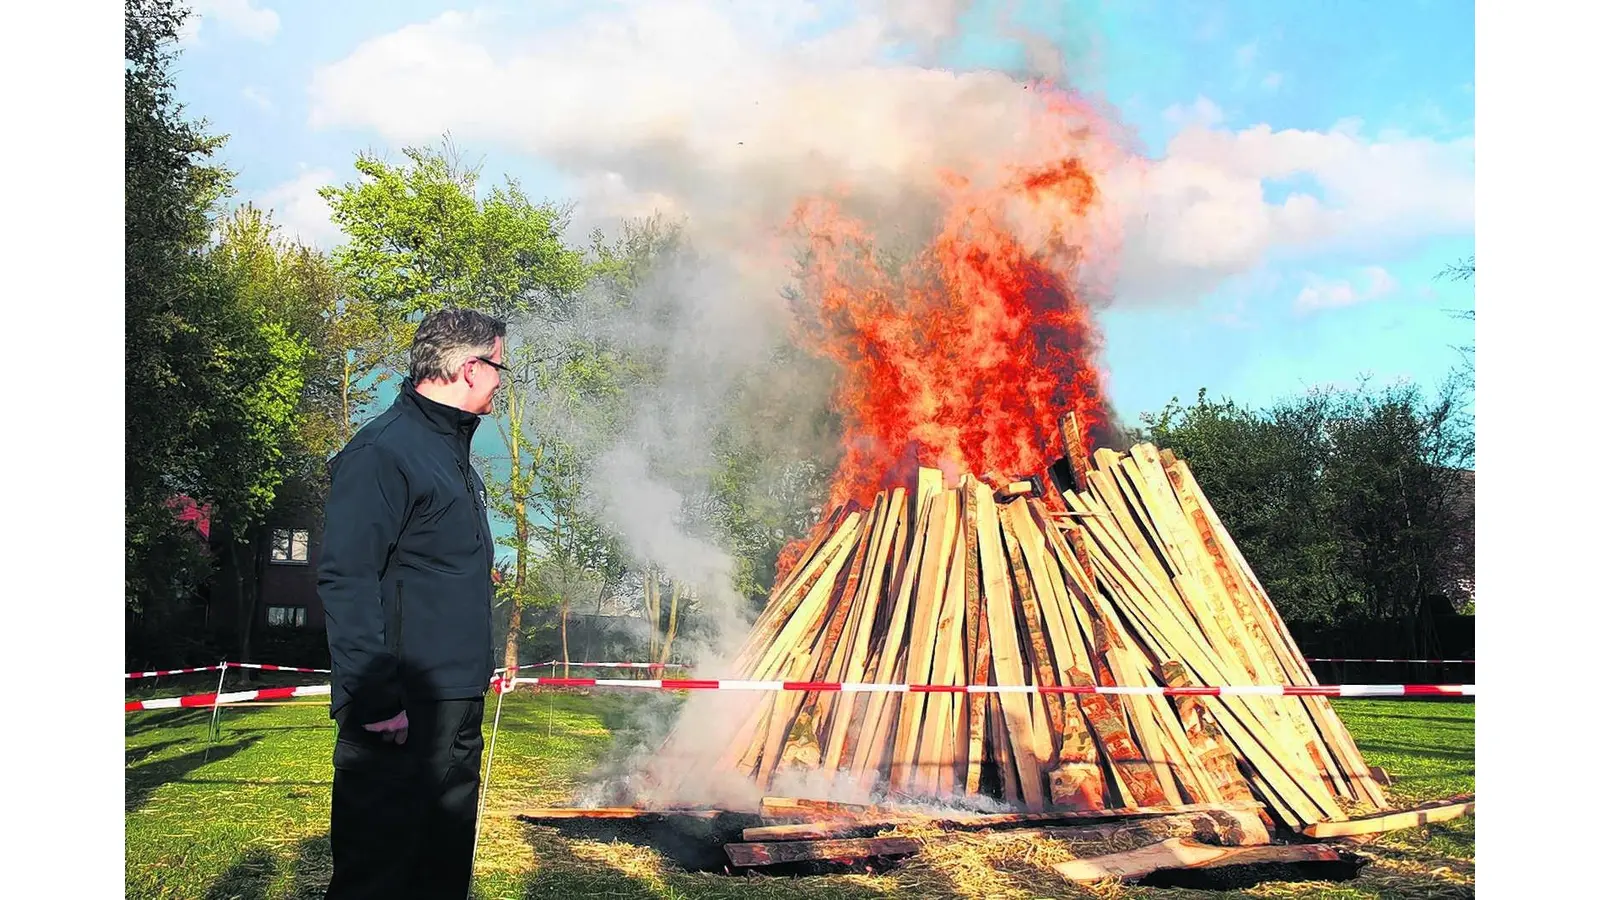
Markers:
(399, 618)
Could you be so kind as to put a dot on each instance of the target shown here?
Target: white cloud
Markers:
(240, 17)
(1245, 56)
(1320, 293)
(1203, 111)
(300, 210)
(730, 113)
(257, 98)
(1272, 81)
(1200, 215)
(714, 107)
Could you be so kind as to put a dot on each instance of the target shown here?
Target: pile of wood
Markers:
(1140, 841)
(1120, 574)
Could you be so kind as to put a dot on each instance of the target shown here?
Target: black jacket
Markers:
(406, 559)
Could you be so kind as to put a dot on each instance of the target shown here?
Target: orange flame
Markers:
(966, 355)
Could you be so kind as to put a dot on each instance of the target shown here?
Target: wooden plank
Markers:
(811, 611)
(1019, 729)
(978, 650)
(1220, 828)
(1074, 535)
(1218, 614)
(1205, 737)
(1173, 639)
(1140, 713)
(1036, 650)
(782, 608)
(794, 714)
(831, 655)
(1004, 760)
(935, 759)
(1180, 853)
(1245, 819)
(888, 665)
(746, 855)
(1423, 814)
(860, 823)
(1076, 781)
(868, 598)
(1122, 474)
(778, 655)
(1076, 450)
(1237, 655)
(824, 531)
(1335, 737)
(1155, 565)
(1154, 720)
(930, 482)
(774, 807)
(929, 596)
(807, 841)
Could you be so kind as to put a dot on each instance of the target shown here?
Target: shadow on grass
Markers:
(138, 754)
(260, 782)
(252, 877)
(143, 780)
(1465, 754)
(562, 873)
(168, 718)
(246, 879)
(313, 868)
(1463, 722)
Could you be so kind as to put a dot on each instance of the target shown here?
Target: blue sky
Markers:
(1387, 84)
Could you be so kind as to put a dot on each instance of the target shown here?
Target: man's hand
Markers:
(393, 729)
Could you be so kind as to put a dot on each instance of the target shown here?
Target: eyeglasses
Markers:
(485, 359)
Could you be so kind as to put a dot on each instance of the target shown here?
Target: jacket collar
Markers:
(444, 419)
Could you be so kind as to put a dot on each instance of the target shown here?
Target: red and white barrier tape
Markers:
(271, 668)
(599, 665)
(268, 667)
(277, 693)
(1352, 659)
(172, 672)
(1257, 690)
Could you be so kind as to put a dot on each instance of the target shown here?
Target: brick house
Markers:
(289, 578)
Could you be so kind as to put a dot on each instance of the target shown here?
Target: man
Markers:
(405, 582)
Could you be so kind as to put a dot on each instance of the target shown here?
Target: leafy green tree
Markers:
(174, 335)
(419, 238)
(272, 441)
(1396, 474)
(1350, 505)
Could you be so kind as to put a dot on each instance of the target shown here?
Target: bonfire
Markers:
(1006, 616)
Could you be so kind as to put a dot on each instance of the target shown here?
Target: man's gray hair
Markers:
(448, 338)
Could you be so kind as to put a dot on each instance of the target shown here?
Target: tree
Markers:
(418, 239)
(273, 440)
(176, 325)
(1394, 474)
(1348, 503)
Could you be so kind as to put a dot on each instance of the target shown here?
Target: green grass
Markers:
(246, 817)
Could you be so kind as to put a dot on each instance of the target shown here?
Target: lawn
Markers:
(246, 817)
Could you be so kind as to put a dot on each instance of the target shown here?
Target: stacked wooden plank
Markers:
(1125, 578)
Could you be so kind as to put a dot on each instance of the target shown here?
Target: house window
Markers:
(286, 616)
(290, 546)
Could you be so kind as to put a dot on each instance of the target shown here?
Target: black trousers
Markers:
(404, 815)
